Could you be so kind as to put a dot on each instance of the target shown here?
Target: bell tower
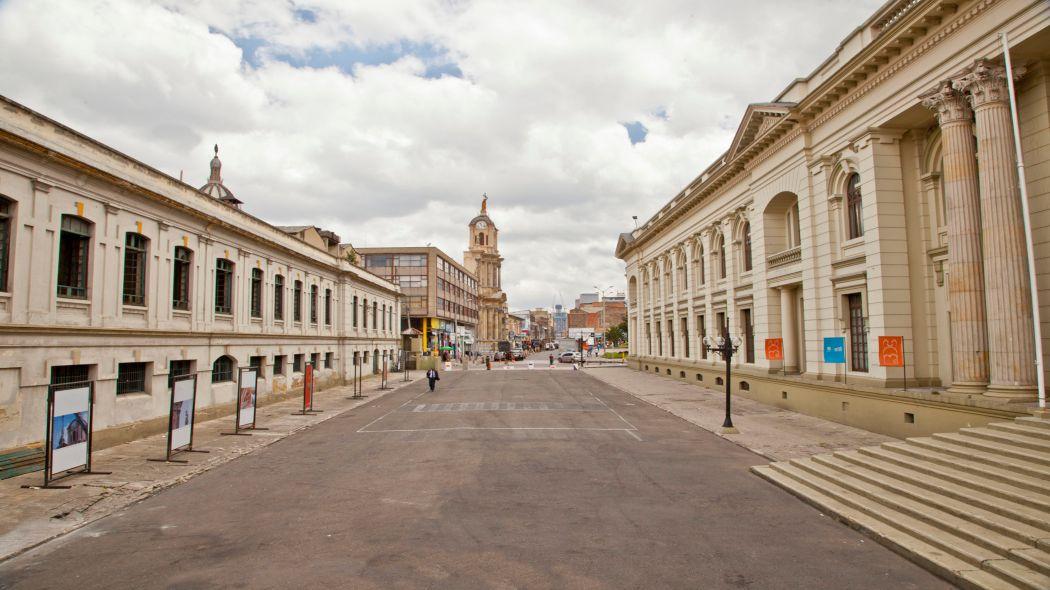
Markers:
(483, 260)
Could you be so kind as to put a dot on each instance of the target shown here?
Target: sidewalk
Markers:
(31, 517)
(771, 432)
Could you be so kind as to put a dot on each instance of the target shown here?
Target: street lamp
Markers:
(725, 346)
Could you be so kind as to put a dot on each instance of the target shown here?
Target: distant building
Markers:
(561, 321)
(440, 305)
(587, 298)
(542, 326)
(483, 260)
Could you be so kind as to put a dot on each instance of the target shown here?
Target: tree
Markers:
(617, 334)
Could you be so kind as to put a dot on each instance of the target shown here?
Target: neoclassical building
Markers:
(483, 260)
(877, 196)
(114, 272)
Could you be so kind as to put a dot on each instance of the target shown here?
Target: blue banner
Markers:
(835, 350)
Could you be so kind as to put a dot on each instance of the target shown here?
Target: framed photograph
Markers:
(69, 428)
(246, 392)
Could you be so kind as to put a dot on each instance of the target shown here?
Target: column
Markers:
(966, 288)
(789, 329)
(1011, 337)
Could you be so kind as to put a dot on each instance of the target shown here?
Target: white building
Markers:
(114, 272)
(877, 196)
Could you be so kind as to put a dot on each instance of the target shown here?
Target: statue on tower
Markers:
(484, 202)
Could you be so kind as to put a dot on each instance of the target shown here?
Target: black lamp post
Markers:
(726, 347)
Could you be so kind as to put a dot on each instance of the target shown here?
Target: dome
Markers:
(215, 188)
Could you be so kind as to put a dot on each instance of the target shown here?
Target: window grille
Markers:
(256, 362)
(297, 363)
(180, 292)
(313, 304)
(364, 314)
(135, 246)
(278, 364)
(328, 307)
(223, 286)
(131, 378)
(6, 207)
(179, 368)
(70, 374)
(256, 293)
(278, 297)
(74, 241)
(297, 302)
(355, 311)
(222, 370)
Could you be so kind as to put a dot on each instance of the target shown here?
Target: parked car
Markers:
(519, 354)
(569, 357)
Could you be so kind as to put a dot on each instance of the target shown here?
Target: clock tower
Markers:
(483, 260)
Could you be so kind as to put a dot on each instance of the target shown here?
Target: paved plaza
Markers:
(503, 479)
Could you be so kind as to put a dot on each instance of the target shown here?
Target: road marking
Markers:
(631, 432)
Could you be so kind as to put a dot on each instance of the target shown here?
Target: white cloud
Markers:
(386, 156)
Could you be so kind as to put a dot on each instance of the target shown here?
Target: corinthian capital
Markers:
(947, 103)
(986, 83)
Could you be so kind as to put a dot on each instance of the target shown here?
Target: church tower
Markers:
(483, 260)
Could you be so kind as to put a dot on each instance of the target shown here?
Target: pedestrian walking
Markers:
(432, 378)
(551, 359)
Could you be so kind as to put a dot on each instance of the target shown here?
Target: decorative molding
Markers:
(785, 257)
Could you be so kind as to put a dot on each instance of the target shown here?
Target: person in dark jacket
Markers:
(551, 361)
(432, 378)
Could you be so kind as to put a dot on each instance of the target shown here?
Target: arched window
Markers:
(720, 249)
(74, 257)
(182, 263)
(698, 266)
(747, 246)
(313, 304)
(222, 369)
(278, 297)
(297, 301)
(854, 207)
(255, 303)
(683, 285)
(364, 313)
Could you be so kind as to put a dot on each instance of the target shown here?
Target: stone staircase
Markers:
(972, 506)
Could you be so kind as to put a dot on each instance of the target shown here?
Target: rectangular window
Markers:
(131, 378)
(135, 246)
(313, 304)
(297, 363)
(858, 337)
(278, 364)
(723, 327)
(73, 243)
(685, 337)
(328, 307)
(364, 314)
(297, 302)
(70, 374)
(256, 293)
(278, 298)
(355, 311)
(223, 286)
(670, 334)
(854, 207)
(315, 360)
(6, 208)
(659, 340)
(749, 337)
(179, 368)
(180, 284)
(329, 359)
(256, 362)
(701, 329)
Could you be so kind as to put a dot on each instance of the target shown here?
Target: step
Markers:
(1015, 520)
(1009, 438)
(949, 567)
(967, 539)
(934, 453)
(1015, 428)
(956, 474)
(1004, 448)
(1033, 422)
(987, 453)
(1018, 573)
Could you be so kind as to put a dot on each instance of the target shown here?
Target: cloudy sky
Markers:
(386, 121)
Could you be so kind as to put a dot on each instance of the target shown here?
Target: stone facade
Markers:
(115, 271)
(876, 197)
(483, 260)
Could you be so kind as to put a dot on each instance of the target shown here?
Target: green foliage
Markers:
(617, 335)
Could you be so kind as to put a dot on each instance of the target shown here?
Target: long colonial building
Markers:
(114, 272)
(877, 196)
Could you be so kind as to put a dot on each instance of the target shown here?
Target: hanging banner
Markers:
(775, 349)
(835, 350)
(246, 385)
(308, 387)
(891, 351)
(69, 429)
(183, 405)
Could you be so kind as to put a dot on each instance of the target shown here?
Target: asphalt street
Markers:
(500, 479)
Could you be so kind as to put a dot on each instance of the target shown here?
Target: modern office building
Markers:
(440, 305)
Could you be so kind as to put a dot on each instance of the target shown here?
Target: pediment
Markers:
(622, 243)
(757, 119)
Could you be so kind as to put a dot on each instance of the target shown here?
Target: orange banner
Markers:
(891, 351)
(775, 349)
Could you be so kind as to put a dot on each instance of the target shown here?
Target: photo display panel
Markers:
(182, 407)
(246, 397)
(70, 428)
(308, 387)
